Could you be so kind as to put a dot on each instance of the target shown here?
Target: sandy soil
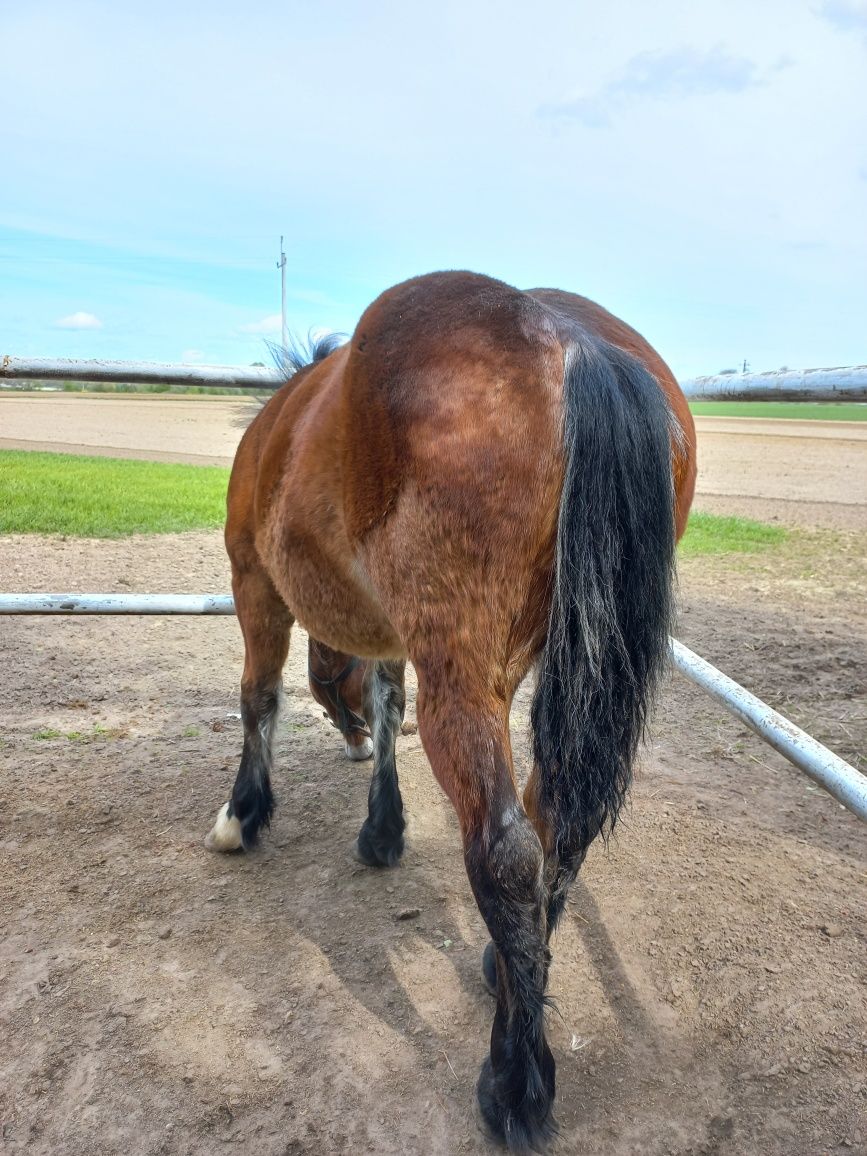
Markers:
(799, 473)
(201, 429)
(156, 998)
(772, 470)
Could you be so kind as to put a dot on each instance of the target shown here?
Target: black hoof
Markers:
(489, 969)
(522, 1127)
(376, 852)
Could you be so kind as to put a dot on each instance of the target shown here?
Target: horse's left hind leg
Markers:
(266, 624)
(380, 841)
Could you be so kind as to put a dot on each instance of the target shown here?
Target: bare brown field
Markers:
(155, 998)
(808, 473)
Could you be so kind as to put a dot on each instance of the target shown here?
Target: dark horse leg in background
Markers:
(380, 841)
(266, 624)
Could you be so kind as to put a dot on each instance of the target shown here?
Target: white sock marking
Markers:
(225, 835)
(363, 751)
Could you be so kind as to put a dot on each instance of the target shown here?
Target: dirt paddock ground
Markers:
(156, 998)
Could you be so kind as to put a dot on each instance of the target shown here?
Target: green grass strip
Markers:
(87, 497)
(799, 410)
(712, 534)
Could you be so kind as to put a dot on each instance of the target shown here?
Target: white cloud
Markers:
(79, 321)
(680, 72)
(194, 357)
(270, 325)
(847, 15)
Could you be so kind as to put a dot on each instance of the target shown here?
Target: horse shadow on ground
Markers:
(405, 944)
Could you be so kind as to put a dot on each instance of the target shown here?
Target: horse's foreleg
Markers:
(336, 683)
(380, 841)
(470, 753)
(266, 624)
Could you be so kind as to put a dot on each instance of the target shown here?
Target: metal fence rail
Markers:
(138, 372)
(116, 604)
(847, 785)
(845, 384)
(837, 777)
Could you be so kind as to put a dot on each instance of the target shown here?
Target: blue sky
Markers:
(700, 169)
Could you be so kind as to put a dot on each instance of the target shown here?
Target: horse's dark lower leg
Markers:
(517, 1082)
(266, 624)
(470, 755)
(380, 841)
(558, 880)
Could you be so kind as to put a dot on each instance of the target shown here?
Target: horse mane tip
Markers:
(298, 354)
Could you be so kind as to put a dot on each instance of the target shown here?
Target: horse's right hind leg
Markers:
(464, 726)
(266, 625)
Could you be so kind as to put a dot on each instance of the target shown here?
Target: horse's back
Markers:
(397, 471)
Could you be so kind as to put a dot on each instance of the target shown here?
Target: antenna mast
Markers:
(281, 265)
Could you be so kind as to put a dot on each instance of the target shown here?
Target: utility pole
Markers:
(281, 265)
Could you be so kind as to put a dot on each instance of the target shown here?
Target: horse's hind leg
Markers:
(380, 841)
(561, 867)
(266, 624)
(565, 855)
(465, 731)
(559, 872)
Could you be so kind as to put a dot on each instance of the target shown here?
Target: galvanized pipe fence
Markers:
(844, 782)
(138, 372)
(845, 384)
(849, 383)
(841, 780)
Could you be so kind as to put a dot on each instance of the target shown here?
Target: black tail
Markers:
(612, 599)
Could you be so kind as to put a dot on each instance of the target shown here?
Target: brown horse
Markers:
(482, 481)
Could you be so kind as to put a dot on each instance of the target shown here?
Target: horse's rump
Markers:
(435, 436)
(424, 418)
(597, 322)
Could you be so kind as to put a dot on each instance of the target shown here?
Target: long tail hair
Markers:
(612, 598)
